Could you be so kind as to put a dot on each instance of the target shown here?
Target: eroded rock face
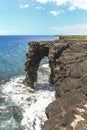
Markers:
(37, 51)
(68, 62)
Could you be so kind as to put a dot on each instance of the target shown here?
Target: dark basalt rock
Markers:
(37, 51)
(68, 63)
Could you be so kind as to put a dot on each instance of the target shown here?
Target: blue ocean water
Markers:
(12, 54)
(20, 107)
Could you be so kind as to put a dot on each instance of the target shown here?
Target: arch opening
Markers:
(44, 71)
(43, 75)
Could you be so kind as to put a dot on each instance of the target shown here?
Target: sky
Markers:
(43, 17)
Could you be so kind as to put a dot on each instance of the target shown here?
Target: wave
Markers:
(24, 107)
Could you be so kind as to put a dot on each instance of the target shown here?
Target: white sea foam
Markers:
(43, 73)
(32, 103)
(45, 66)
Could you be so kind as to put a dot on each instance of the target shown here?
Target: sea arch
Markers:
(36, 52)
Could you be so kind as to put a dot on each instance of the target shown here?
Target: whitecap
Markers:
(32, 103)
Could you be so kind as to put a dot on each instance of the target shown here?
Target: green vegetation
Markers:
(74, 37)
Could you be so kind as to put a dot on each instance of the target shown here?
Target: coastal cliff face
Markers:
(68, 63)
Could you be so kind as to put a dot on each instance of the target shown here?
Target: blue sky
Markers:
(38, 17)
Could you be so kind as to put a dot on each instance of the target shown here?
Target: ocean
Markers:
(22, 108)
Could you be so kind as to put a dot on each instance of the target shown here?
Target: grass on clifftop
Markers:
(75, 37)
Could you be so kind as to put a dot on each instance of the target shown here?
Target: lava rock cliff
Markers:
(68, 63)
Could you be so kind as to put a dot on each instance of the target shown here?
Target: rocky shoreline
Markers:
(68, 63)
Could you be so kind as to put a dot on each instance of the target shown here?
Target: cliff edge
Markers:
(68, 63)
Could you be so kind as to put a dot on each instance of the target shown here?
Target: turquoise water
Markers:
(12, 54)
(20, 107)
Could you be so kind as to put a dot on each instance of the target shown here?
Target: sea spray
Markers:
(25, 106)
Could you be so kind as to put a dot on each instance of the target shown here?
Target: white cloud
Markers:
(40, 8)
(73, 4)
(58, 2)
(71, 29)
(6, 32)
(72, 8)
(42, 1)
(54, 12)
(24, 6)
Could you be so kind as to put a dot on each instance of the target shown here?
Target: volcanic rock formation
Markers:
(68, 63)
